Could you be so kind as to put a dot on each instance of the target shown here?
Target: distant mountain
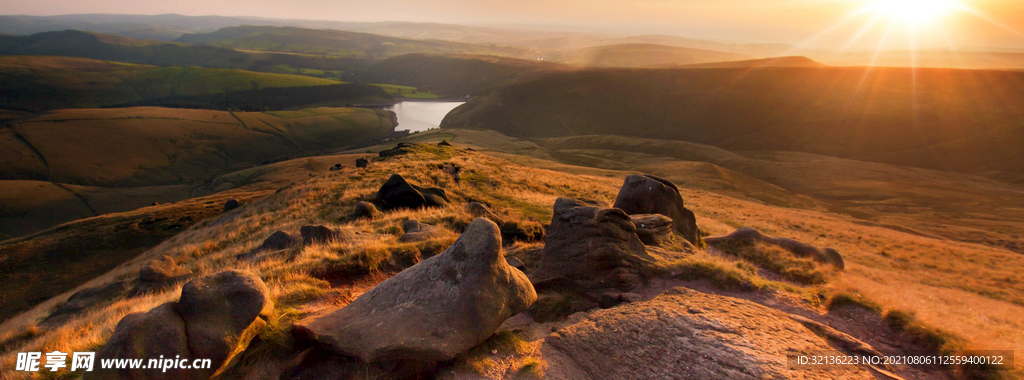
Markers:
(323, 42)
(640, 56)
(959, 120)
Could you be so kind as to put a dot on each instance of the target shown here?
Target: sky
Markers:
(989, 23)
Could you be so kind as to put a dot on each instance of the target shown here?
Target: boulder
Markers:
(160, 331)
(222, 313)
(749, 235)
(653, 229)
(444, 143)
(335, 168)
(515, 263)
(588, 247)
(417, 232)
(433, 311)
(525, 231)
(362, 162)
(277, 241)
(365, 210)
(82, 300)
(318, 234)
(397, 193)
(480, 210)
(159, 274)
(696, 336)
(653, 195)
(231, 204)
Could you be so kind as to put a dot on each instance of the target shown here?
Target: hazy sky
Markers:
(789, 21)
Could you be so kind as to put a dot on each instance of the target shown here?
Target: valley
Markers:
(300, 199)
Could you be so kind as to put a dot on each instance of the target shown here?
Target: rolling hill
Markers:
(928, 280)
(68, 164)
(35, 83)
(72, 43)
(333, 43)
(959, 120)
(795, 61)
(640, 56)
(454, 75)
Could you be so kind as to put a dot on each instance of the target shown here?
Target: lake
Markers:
(419, 116)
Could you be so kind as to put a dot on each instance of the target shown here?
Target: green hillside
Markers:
(36, 83)
(334, 43)
(969, 121)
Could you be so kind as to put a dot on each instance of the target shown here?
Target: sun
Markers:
(914, 12)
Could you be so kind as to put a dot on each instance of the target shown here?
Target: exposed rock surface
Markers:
(653, 195)
(589, 247)
(432, 311)
(277, 241)
(231, 204)
(159, 274)
(82, 300)
(160, 331)
(685, 334)
(417, 232)
(397, 193)
(365, 210)
(444, 143)
(215, 319)
(221, 313)
(748, 235)
(653, 229)
(362, 162)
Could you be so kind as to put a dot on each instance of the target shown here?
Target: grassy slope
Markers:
(40, 82)
(943, 119)
(98, 161)
(333, 43)
(897, 269)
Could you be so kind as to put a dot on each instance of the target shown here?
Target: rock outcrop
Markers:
(214, 319)
(653, 229)
(318, 234)
(231, 204)
(417, 232)
(365, 210)
(279, 240)
(397, 193)
(748, 235)
(159, 274)
(432, 311)
(158, 332)
(684, 334)
(588, 247)
(222, 313)
(653, 195)
(362, 162)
